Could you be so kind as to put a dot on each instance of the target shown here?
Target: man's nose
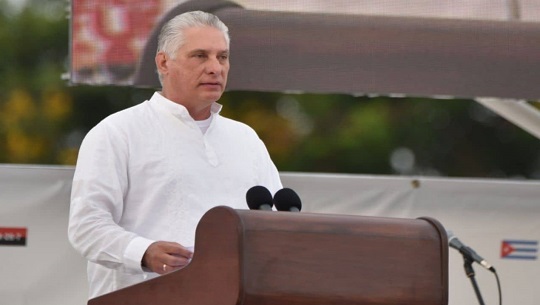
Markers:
(213, 66)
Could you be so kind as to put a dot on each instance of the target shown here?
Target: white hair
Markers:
(172, 37)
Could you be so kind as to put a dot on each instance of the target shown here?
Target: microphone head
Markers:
(453, 241)
(286, 200)
(258, 196)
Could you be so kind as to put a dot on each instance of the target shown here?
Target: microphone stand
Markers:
(469, 271)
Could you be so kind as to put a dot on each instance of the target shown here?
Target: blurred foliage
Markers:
(346, 134)
(42, 120)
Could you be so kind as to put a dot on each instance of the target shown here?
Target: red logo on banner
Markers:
(108, 35)
(13, 236)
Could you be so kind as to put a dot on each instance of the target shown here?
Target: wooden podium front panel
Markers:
(330, 259)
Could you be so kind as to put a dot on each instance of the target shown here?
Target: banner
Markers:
(497, 218)
(107, 38)
(38, 265)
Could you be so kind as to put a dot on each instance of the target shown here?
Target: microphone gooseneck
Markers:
(455, 243)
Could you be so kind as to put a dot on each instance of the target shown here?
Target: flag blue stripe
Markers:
(534, 250)
(521, 242)
(526, 257)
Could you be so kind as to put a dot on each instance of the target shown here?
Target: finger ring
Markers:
(164, 267)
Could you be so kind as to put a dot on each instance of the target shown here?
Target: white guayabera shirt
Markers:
(149, 173)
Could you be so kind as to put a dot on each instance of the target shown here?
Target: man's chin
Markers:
(212, 97)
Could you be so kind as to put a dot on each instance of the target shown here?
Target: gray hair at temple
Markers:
(171, 37)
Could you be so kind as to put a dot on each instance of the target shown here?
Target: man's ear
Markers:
(161, 62)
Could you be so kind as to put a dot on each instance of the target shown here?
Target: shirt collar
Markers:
(178, 110)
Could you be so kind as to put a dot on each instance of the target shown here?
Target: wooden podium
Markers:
(284, 258)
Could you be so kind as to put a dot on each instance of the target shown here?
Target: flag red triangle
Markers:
(506, 249)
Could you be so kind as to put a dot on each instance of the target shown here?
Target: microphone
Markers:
(287, 200)
(259, 198)
(455, 243)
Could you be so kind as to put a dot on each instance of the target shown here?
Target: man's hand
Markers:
(163, 257)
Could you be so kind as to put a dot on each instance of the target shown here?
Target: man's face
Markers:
(197, 75)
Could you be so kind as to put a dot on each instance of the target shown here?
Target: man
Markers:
(146, 175)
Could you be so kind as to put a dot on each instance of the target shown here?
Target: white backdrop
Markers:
(47, 271)
(482, 213)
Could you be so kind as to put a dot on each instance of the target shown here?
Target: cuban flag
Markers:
(519, 249)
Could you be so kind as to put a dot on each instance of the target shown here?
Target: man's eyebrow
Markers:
(197, 51)
(207, 51)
